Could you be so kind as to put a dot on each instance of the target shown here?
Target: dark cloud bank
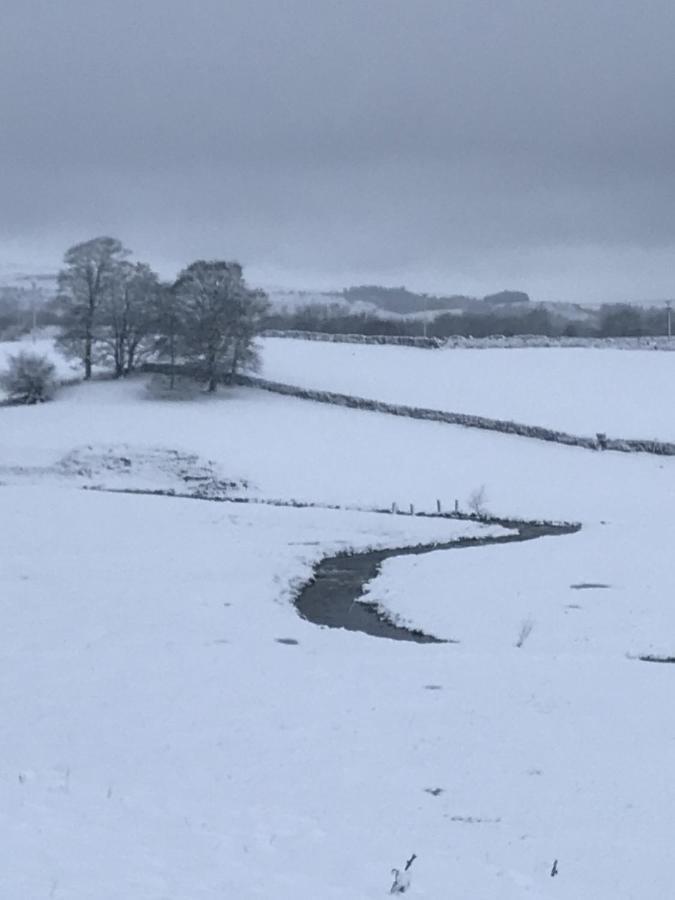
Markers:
(454, 146)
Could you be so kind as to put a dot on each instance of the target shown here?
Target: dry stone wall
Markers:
(504, 426)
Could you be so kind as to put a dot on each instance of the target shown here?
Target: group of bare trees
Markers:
(117, 312)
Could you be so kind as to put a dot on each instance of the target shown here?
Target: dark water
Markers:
(331, 597)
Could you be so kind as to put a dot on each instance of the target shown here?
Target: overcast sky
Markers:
(451, 146)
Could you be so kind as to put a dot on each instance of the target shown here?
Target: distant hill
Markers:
(506, 298)
(292, 299)
(404, 302)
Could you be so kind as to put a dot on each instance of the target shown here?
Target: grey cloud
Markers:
(450, 142)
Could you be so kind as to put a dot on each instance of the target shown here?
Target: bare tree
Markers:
(477, 501)
(168, 326)
(92, 271)
(246, 326)
(127, 316)
(220, 316)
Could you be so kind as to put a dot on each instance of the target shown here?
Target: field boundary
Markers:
(491, 342)
(485, 423)
(503, 426)
(514, 523)
(396, 340)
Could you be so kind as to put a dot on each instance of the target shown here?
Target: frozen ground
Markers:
(584, 391)
(159, 743)
(551, 596)
(292, 448)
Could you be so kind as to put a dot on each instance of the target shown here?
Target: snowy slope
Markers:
(552, 596)
(582, 391)
(158, 742)
(308, 451)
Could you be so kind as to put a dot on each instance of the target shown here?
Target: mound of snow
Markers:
(122, 466)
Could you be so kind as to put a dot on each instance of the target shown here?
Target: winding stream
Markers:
(331, 598)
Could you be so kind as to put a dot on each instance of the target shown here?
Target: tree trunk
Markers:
(172, 378)
(235, 360)
(118, 354)
(87, 355)
(130, 362)
(89, 329)
(212, 370)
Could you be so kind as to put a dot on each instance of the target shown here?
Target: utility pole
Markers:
(35, 301)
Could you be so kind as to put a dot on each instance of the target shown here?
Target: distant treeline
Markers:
(508, 313)
(620, 320)
(20, 308)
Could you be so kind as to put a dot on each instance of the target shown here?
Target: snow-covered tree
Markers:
(127, 316)
(246, 326)
(91, 275)
(169, 327)
(219, 318)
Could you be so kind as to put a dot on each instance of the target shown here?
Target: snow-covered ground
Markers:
(583, 391)
(549, 595)
(158, 742)
(292, 448)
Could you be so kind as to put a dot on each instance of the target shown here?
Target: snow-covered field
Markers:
(583, 391)
(158, 742)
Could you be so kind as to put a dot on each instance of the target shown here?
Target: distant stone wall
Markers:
(504, 426)
(425, 343)
(417, 412)
(659, 448)
(496, 341)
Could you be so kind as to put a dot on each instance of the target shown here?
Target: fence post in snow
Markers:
(438, 506)
(456, 506)
(412, 510)
(393, 509)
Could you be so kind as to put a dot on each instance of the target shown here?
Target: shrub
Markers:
(29, 378)
(477, 501)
